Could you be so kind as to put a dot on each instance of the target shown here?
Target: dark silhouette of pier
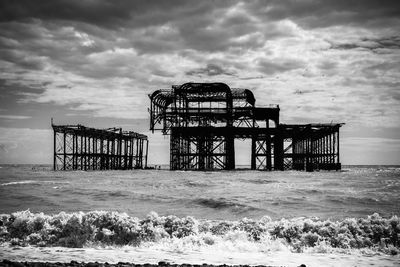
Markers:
(77, 147)
(204, 119)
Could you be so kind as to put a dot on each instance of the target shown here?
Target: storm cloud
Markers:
(98, 60)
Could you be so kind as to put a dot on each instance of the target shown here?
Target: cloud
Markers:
(210, 70)
(97, 60)
(376, 45)
(26, 61)
(107, 14)
(274, 66)
(317, 14)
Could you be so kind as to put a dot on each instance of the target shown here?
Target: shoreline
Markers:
(8, 263)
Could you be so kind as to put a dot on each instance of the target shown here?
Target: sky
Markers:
(95, 62)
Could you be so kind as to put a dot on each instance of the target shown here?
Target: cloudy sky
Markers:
(95, 62)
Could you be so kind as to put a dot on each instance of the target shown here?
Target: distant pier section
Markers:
(204, 119)
(77, 147)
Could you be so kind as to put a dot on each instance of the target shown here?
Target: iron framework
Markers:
(204, 119)
(77, 147)
(311, 146)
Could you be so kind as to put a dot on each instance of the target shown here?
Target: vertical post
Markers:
(253, 152)
(89, 152)
(120, 149)
(230, 153)
(137, 153)
(120, 152)
(74, 160)
(94, 153)
(330, 148)
(130, 153)
(73, 151)
(200, 152)
(295, 152)
(55, 150)
(323, 148)
(172, 150)
(334, 147)
(141, 154)
(338, 147)
(311, 151)
(327, 149)
(278, 151)
(268, 155)
(147, 151)
(81, 150)
(125, 153)
(303, 152)
(98, 152)
(90, 145)
(110, 147)
(210, 152)
(108, 154)
(101, 153)
(307, 155)
(294, 149)
(151, 116)
(65, 156)
(85, 138)
(113, 154)
(319, 149)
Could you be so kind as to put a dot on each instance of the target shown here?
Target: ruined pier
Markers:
(77, 147)
(204, 119)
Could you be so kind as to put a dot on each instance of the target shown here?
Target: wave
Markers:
(30, 182)
(260, 181)
(222, 203)
(112, 228)
(20, 182)
(196, 184)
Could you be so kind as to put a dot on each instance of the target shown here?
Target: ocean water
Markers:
(238, 217)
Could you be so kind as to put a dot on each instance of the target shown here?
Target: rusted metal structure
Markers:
(77, 147)
(204, 119)
(311, 146)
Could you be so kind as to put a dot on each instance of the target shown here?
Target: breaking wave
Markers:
(117, 229)
(30, 182)
(20, 182)
(222, 203)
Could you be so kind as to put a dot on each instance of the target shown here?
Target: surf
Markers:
(106, 228)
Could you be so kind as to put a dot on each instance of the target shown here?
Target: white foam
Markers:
(210, 256)
(29, 182)
(20, 182)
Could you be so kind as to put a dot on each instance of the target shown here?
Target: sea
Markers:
(278, 218)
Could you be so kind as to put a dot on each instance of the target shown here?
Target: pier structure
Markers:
(77, 147)
(311, 146)
(204, 119)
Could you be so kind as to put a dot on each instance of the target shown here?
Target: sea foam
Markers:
(104, 228)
